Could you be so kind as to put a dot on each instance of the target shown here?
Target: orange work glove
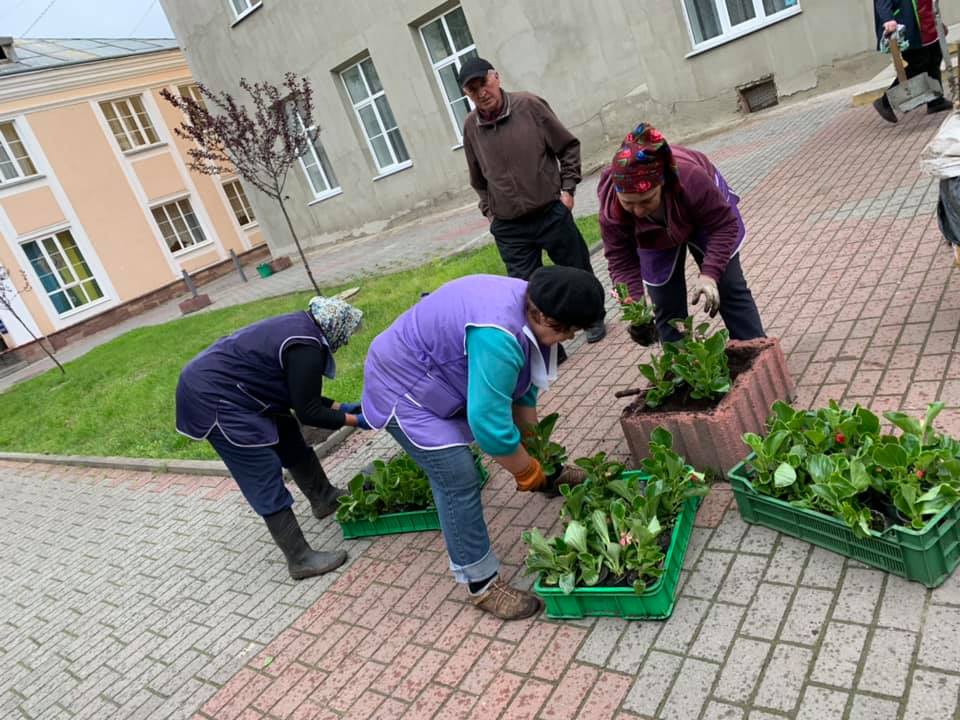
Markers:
(532, 478)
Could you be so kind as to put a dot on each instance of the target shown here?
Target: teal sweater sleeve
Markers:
(494, 361)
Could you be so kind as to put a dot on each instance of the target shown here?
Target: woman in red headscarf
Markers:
(655, 202)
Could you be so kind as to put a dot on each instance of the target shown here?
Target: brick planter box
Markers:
(712, 438)
(280, 263)
(193, 304)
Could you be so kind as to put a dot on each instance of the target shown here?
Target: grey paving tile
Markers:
(783, 678)
(807, 616)
(788, 560)
(706, 579)
(742, 580)
(866, 707)
(903, 604)
(742, 670)
(721, 711)
(889, 656)
(636, 640)
(859, 596)
(717, 632)
(933, 696)
(652, 683)
(678, 632)
(939, 647)
(839, 654)
(601, 641)
(690, 691)
(823, 569)
(822, 703)
(766, 611)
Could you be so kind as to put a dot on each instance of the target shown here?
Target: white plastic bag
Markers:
(941, 157)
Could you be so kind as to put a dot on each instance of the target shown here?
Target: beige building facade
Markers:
(390, 112)
(97, 205)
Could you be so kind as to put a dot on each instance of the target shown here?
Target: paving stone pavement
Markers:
(125, 595)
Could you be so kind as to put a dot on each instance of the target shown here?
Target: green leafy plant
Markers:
(636, 311)
(395, 486)
(837, 461)
(697, 362)
(615, 525)
(551, 455)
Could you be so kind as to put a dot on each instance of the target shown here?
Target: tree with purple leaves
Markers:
(261, 143)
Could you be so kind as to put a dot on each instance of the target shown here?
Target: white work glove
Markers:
(707, 288)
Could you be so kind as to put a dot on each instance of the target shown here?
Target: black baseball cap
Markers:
(475, 67)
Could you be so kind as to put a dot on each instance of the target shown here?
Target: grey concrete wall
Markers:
(602, 64)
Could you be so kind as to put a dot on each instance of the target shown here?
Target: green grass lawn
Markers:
(118, 399)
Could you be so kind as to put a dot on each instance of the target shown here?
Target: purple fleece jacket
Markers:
(695, 207)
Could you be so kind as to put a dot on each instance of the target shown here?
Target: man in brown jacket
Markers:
(525, 166)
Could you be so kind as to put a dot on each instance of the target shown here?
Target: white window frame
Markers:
(243, 201)
(313, 137)
(38, 241)
(370, 100)
(192, 91)
(238, 14)
(184, 250)
(730, 32)
(140, 127)
(17, 165)
(449, 60)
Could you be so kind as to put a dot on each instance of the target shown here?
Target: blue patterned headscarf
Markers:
(337, 319)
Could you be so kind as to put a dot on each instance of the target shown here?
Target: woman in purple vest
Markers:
(655, 201)
(466, 363)
(237, 394)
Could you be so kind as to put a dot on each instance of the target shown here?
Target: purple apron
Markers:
(416, 370)
(238, 384)
(658, 266)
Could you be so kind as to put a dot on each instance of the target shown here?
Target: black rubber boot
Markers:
(302, 560)
(314, 484)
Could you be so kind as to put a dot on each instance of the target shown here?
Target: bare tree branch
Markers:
(261, 142)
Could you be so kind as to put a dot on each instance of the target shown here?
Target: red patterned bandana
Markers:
(643, 161)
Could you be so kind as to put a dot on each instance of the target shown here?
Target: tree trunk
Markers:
(39, 341)
(296, 241)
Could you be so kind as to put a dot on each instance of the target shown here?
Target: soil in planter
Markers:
(883, 512)
(739, 360)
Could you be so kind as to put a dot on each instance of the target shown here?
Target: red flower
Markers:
(920, 474)
(840, 438)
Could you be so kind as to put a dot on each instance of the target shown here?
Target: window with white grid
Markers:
(62, 271)
(15, 163)
(449, 44)
(315, 163)
(179, 225)
(239, 203)
(375, 116)
(192, 91)
(244, 7)
(712, 22)
(129, 122)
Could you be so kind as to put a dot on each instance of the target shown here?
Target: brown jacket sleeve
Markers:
(563, 144)
(477, 181)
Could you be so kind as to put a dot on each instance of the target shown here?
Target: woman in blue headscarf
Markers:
(238, 395)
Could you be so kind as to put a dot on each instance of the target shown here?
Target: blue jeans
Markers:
(456, 492)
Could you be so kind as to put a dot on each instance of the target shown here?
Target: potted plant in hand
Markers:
(638, 314)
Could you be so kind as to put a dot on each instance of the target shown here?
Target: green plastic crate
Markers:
(402, 522)
(656, 603)
(926, 556)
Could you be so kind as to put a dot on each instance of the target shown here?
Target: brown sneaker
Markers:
(507, 603)
(569, 475)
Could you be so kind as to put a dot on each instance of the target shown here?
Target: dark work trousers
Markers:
(259, 470)
(523, 240)
(737, 307)
(921, 60)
